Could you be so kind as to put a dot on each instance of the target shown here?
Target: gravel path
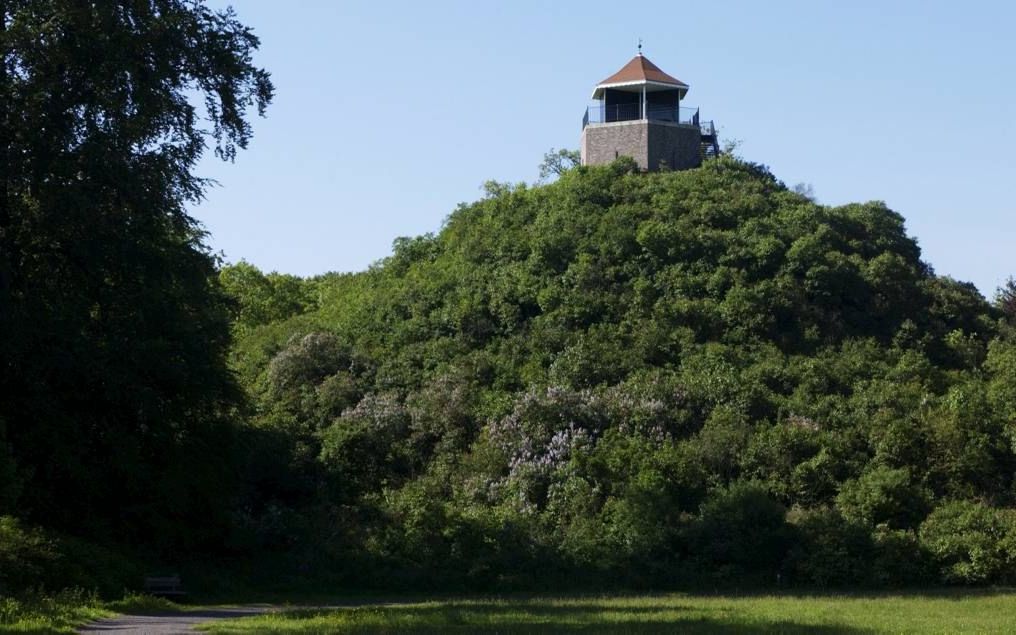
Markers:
(166, 623)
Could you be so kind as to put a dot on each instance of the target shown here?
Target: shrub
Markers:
(31, 558)
(741, 530)
(899, 559)
(971, 542)
(831, 550)
(36, 612)
(883, 495)
(28, 557)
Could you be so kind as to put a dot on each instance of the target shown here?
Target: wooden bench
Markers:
(164, 586)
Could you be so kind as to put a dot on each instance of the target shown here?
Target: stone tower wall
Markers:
(674, 146)
(651, 144)
(602, 143)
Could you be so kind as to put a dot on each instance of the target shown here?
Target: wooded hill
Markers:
(613, 380)
(632, 379)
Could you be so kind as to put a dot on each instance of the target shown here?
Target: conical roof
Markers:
(637, 72)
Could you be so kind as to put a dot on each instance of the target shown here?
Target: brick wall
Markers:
(650, 144)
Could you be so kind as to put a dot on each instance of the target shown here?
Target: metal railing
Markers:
(602, 113)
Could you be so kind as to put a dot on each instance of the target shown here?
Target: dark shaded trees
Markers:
(113, 328)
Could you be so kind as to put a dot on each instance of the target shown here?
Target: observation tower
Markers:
(637, 112)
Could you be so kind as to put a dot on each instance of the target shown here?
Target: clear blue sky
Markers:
(389, 114)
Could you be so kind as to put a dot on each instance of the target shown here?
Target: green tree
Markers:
(741, 530)
(971, 542)
(262, 298)
(883, 495)
(557, 162)
(1005, 298)
(113, 328)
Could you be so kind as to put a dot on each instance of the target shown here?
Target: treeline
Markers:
(629, 379)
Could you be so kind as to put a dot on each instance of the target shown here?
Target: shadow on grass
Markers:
(481, 617)
(936, 593)
(346, 598)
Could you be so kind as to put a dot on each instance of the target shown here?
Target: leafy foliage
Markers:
(113, 325)
(616, 378)
(635, 377)
(972, 542)
(556, 162)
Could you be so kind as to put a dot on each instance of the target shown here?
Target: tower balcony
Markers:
(602, 113)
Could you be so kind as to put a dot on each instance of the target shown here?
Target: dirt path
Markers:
(166, 623)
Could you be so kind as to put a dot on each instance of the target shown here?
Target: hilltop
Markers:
(631, 379)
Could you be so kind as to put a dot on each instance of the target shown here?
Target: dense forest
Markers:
(616, 379)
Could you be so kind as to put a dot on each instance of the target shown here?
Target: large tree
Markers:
(112, 327)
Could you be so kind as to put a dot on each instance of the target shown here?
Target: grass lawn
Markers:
(933, 612)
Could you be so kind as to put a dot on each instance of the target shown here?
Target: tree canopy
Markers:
(644, 379)
(114, 327)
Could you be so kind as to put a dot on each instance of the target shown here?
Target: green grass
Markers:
(63, 612)
(934, 612)
(138, 603)
(60, 613)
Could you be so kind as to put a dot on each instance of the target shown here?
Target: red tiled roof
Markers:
(640, 69)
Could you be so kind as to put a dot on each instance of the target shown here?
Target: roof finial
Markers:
(640, 47)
